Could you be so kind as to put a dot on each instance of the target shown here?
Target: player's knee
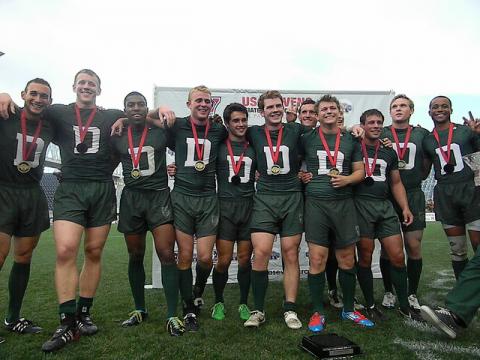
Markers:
(347, 260)
(364, 258)
(93, 254)
(244, 260)
(66, 254)
(458, 247)
(205, 260)
(317, 262)
(23, 257)
(397, 259)
(223, 262)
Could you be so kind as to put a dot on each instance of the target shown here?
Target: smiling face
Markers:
(328, 113)
(440, 110)
(373, 127)
(273, 111)
(308, 116)
(36, 97)
(87, 88)
(136, 109)
(200, 105)
(238, 124)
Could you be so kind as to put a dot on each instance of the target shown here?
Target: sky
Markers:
(420, 48)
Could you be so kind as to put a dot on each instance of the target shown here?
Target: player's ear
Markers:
(98, 91)
(23, 94)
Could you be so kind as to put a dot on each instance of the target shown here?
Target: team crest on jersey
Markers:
(216, 100)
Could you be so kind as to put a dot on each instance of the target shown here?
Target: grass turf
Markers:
(228, 339)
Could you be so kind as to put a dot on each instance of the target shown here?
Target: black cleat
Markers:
(442, 319)
(190, 322)
(85, 325)
(374, 314)
(61, 337)
(175, 326)
(412, 315)
(22, 326)
(136, 318)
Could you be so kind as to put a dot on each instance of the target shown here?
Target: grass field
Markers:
(394, 339)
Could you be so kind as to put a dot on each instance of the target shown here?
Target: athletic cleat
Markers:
(85, 325)
(412, 315)
(136, 318)
(442, 319)
(175, 326)
(244, 312)
(389, 300)
(22, 326)
(291, 320)
(218, 311)
(413, 302)
(256, 319)
(357, 318)
(357, 305)
(375, 314)
(61, 337)
(190, 322)
(335, 299)
(317, 322)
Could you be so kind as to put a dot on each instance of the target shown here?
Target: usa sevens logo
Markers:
(216, 100)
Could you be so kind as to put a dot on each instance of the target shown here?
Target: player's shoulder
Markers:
(420, 131)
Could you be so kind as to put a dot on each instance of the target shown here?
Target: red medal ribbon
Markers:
(369, 170)
(236, 165)
(27, 150)
(445, 154)
(401, 150)
(275, 153)
(198, 148)
(84, 129)
(136, 157)
(333, 160)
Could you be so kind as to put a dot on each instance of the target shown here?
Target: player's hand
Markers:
(171, 170)
(305, 177)
(357, 131)
(472, 122)
(339, 181)
(407, 217)
(291, 113)
(216, 119)
(387, 142)
(166, 113)
(6, 105)
(117, 127)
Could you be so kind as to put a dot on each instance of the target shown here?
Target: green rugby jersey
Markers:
(11, 149)
(412, 174)
(318, 164)
(464, 142)
(96, 163)
(188, 180)
(387, 161)
(246, 188)
(288, 159)
(152, 165)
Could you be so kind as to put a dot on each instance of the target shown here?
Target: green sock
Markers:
(316, 284)
(170, 287)
(289, 306)
(17, 285)
(259, 288)
(203, 272)
(346, 278)
(66, 311)
(243, 278)
(414, 271)
(84, 304)
(399, 280)
(136, 277)
(365, 280)
(385, 270)
(185, 280)
(458, 267)
(219, 281)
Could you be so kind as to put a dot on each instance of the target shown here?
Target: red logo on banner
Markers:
(215, 101)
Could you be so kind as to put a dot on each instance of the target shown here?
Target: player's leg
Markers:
(204, 266)
(5, 241)
(331, 271)
(317, 256)
(389, 298)
(413, 246)
(457, 238)
(244, 256)
(184, 264)
(291, 278)
(220, 276)
(365, 247)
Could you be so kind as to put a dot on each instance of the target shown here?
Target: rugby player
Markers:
(335, 165)
(236, 165)
(23, 206)
(278, 206)
(456, 198)
(407, 142)
(377, 217)
(145, 206)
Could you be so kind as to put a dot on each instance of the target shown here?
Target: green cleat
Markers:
(244, 312)
(218, 311)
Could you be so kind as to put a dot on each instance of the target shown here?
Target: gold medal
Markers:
(24, 167)
(275, 169)
(402, 164)
(135, 173)
(199, 165)
(333, 171)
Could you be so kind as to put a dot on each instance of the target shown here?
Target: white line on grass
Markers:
(422, 348)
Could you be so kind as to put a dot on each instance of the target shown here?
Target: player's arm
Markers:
(161, 117)
(357, 175)
(6, 105)
(427, 166)
(400, 196)
(356, 130)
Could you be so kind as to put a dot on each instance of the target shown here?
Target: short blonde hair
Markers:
(199, 88)
(270, 94)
